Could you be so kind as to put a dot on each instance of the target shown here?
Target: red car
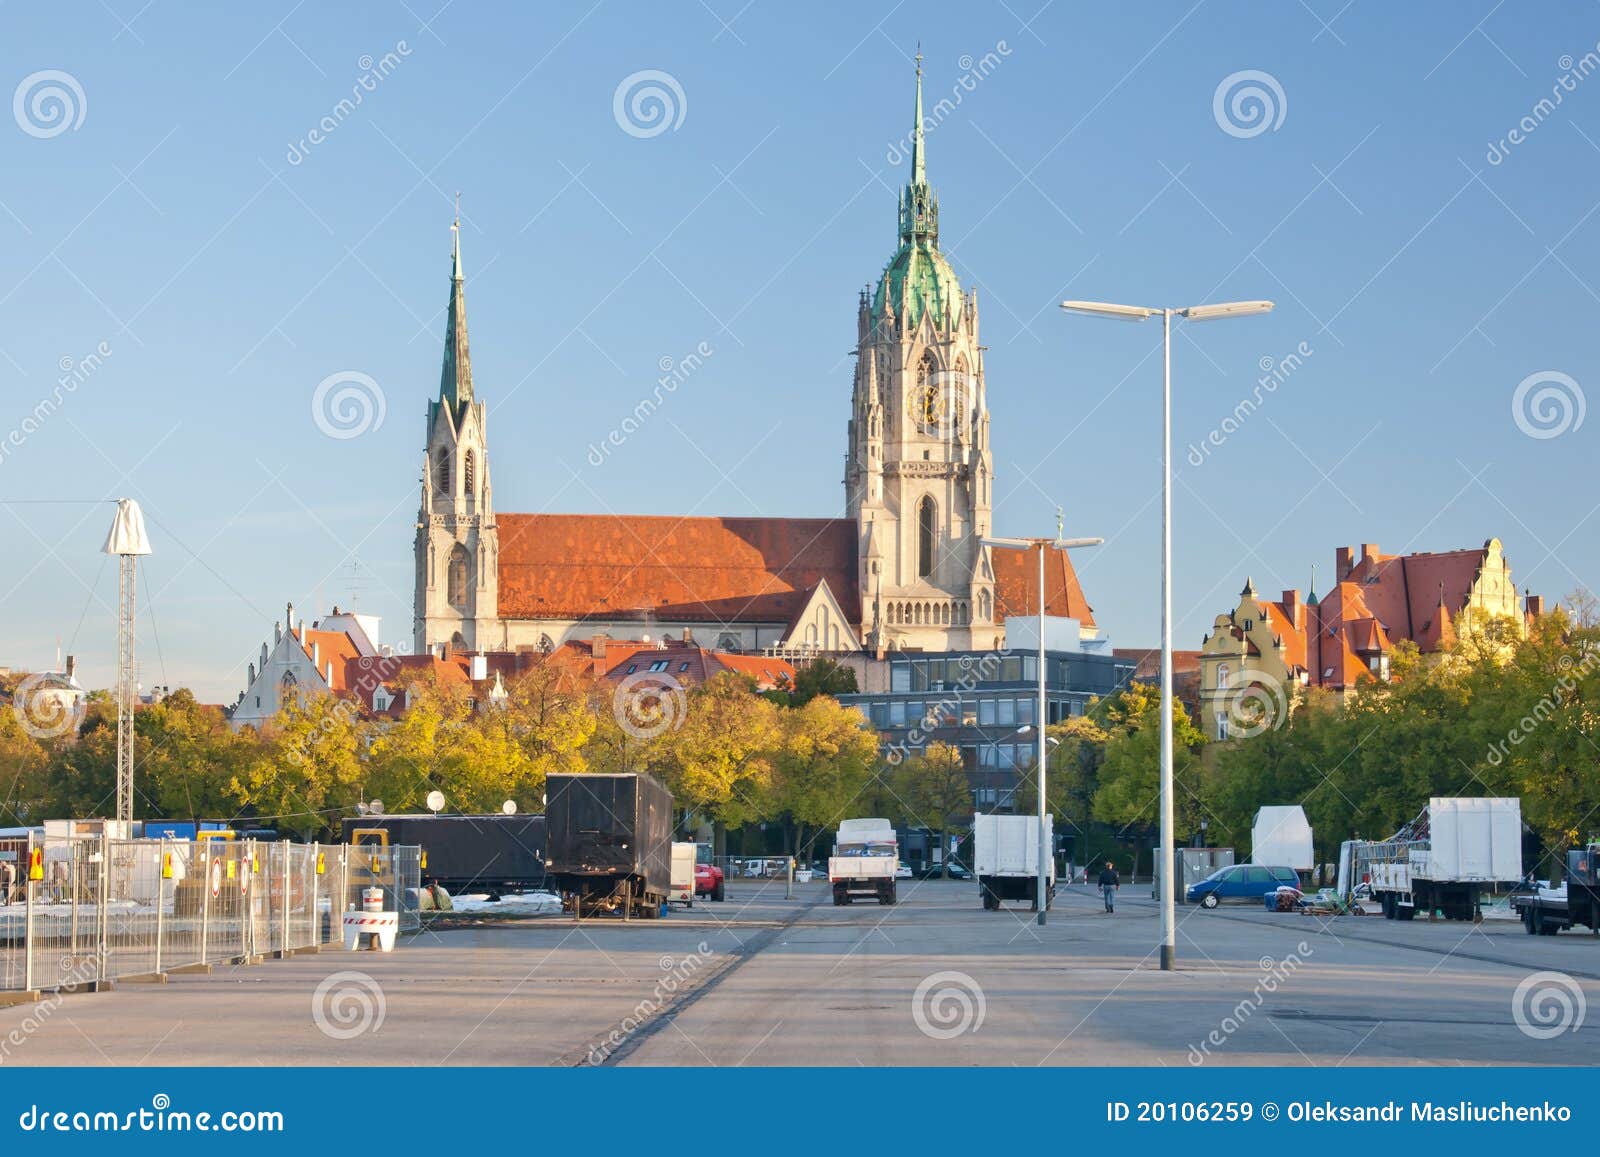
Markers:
(708, 881)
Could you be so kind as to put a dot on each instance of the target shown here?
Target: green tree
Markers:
(934, 792)
(823, 765)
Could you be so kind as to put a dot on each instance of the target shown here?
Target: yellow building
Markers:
(1261, 654)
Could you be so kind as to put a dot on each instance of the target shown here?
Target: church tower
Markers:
(457, 546)
(918, 475)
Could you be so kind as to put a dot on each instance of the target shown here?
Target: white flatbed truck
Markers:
(866, 854)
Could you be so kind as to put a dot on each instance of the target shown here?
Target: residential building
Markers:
(1347, 636)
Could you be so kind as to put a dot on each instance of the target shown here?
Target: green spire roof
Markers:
(918, 279)
(455, 379)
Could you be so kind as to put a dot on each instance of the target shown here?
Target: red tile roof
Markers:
(334, 647)
(560, 566)
(1016, 583)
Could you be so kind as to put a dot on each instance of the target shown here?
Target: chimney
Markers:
(1369, 552)
(1294, 609)
(329, 675)
(688, 637)
(479, 667)
(72, 660)
(1343, 563)
(316, 654)
(597, 654)
(1535, 609)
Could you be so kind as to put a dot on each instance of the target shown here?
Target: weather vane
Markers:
(1061, 524)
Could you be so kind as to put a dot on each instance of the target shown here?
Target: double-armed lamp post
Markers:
(1042, 545)
(1169, 924)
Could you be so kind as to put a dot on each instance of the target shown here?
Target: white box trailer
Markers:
(1441, 862)
(1191, 865)
(1006, 859)
(866, 856)
(681, 890)
(1281, 838)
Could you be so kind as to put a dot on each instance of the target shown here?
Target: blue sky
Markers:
(228, 280)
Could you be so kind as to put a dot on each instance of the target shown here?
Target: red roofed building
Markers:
(1261, 652)
(906, 569)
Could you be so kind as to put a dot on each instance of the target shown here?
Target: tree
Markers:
(720, 760)
(305, 770)
(934, 792)
(819, 677)
(1129, 782)
(824, 763)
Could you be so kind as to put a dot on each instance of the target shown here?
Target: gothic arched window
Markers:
(467, 472)
(441, 470)
(927, 522)
(456, 577)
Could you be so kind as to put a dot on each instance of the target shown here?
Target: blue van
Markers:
(1240, 882)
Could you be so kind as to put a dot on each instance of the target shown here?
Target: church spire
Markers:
(919, 172)
(919, 208)
(455, 379)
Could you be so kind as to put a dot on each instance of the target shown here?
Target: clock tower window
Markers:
(927, 523)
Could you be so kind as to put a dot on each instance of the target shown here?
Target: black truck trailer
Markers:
(610, 843)
(489, 853)
(1576, 903)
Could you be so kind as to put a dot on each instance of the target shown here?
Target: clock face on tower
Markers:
(930, 408)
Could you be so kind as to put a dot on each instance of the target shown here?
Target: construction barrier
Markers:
(82, 910)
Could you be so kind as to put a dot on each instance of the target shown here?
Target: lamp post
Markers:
(1169, 924)
(1041, 545)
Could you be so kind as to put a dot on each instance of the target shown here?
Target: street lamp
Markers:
(1169, 924)
(1042, 885)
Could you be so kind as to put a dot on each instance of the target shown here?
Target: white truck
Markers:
(866, 856)
(1441, 861)
(1281, 838)
(681, 890)
(1006, 859)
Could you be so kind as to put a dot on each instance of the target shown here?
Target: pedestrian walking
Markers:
(1109, 883)
(8, 877)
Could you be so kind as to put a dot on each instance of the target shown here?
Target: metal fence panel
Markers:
(102, 908)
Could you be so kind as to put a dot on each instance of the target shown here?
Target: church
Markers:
(904, 569)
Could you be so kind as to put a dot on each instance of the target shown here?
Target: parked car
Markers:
(1240, 882)
(901, 871)
(937, 871)
(708, 881)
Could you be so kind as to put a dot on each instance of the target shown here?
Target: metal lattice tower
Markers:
(127, 541)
